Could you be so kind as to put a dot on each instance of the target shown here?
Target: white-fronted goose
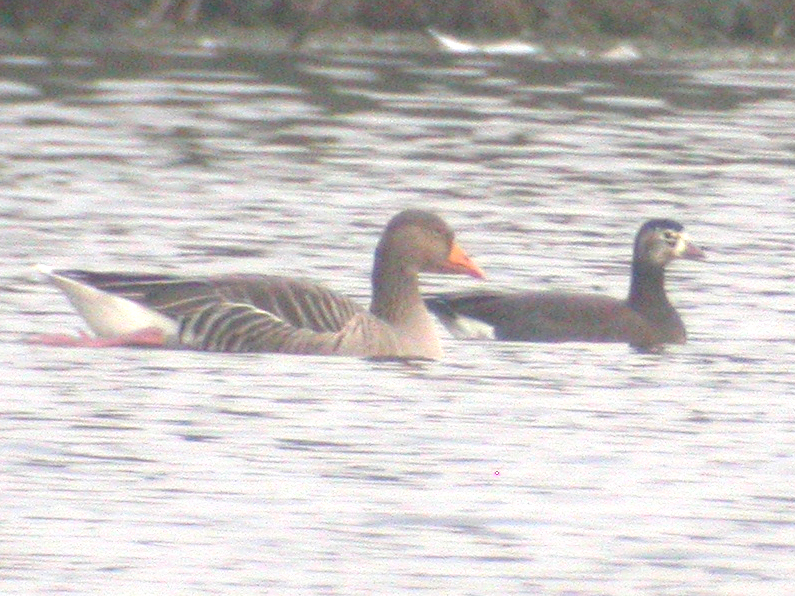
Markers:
(645, 319)
(262, 313)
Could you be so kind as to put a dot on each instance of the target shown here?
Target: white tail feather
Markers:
(106, 314)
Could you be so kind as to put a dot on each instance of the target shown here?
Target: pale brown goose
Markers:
(263, 313)
(645, 319)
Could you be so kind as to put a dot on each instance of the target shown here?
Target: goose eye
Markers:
(670, 237)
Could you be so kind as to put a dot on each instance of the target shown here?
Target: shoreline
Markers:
(214, 40)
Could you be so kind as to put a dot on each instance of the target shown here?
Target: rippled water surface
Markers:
(504, 469)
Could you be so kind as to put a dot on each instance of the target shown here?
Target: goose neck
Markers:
(647, 288)
(396, 293)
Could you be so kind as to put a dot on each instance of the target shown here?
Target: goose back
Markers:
(298, 302)
(551, 317)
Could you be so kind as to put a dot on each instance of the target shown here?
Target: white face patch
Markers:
(682, 242)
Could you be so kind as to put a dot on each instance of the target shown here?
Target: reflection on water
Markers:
(507, 468)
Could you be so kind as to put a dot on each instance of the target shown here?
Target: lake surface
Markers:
(503, 469)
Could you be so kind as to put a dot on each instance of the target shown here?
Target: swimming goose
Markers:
(267, 313)
(645, 319)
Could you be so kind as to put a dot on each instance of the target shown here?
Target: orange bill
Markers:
(459, 262)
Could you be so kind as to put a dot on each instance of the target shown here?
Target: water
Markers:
(504, 469)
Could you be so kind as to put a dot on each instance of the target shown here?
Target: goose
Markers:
(269, 313)
(645, 319)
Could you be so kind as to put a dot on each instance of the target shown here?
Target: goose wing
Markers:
(298, 303)
(243, 327)
(539, 317)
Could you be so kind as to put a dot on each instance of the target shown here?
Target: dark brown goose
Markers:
(262, 313)
(646, 319)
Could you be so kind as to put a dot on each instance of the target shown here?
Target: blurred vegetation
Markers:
(699, 21)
